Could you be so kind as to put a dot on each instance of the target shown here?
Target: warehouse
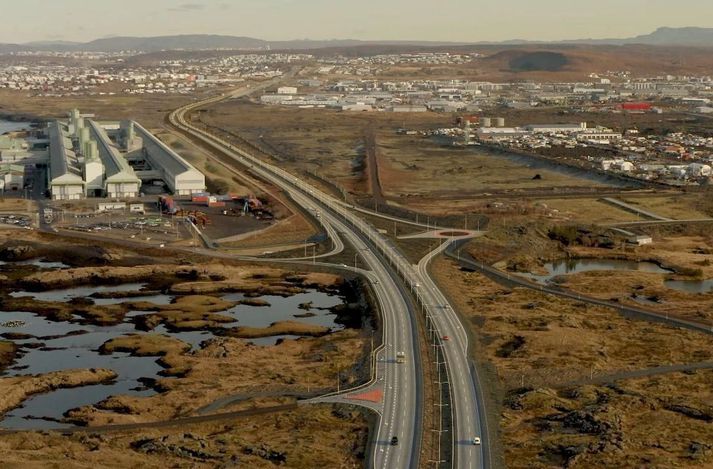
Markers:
(65, 177)
(556, 128)
(120, 181)
(12, 177)
(111, 158)
(180, 176)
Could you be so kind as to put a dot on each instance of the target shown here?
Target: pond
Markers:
(59, 345)
(87, 291)
(575, 266)
(39, 263)
(44, 354)
(691, 286)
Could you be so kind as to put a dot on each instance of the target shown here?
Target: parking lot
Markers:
(19, 221)
(143, 228)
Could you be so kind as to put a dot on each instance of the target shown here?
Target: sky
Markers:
(438, 20)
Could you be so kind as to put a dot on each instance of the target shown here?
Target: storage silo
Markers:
(83, 139)
(499, 122)
(127, 133)
(485, 122)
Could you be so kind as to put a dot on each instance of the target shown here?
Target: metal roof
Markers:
(60, 169)
(116, 167)
(161, 155)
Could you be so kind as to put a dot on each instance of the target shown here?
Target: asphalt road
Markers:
(468, 412)
(511, 280)
(402, 384)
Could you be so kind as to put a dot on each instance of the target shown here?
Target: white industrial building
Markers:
(598, 135)
(180, 176)
(64, 176)
(111, 159)
(12, 177)
(556, 128)
(618, 165)
(120, 180)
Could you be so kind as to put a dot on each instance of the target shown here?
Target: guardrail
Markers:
(403, 268)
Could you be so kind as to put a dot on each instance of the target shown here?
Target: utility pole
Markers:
(440, 404)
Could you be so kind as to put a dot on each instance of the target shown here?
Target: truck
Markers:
(167, 205)
(48, 215)
(400, 357)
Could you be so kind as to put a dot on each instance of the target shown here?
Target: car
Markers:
(445, 337)
(476, 440)
(394, 440)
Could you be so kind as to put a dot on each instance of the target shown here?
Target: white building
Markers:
(120, 180)
(64, 176)
(98, 162)
(556, 128)
(408, 108)
(617, 165)
(93, 170)
(12, 176)
(603, 136)
(287, 90)
(180, 176)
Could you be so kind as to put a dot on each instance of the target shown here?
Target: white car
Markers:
(476, 440)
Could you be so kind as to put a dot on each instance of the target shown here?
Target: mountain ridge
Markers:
(663, 36)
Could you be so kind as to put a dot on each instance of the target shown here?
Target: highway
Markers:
(402, 383)
(470, 419)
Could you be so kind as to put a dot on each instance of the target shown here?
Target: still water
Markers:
(61, 345)
(575, 266)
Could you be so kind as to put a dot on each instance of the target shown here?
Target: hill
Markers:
(700, 37)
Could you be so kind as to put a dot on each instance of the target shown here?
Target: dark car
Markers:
(394, 440)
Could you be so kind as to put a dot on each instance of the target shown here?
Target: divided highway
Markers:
(392, 273)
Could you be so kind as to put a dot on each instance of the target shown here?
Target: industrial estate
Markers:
(343, 254)
(111, 159)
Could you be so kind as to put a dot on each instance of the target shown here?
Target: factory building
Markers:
(65, 177)
(111, 159)
(556, 128)
(180, 176)
(119, 179)
(12, 177)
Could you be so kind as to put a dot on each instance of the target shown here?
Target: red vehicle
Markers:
(445, 337)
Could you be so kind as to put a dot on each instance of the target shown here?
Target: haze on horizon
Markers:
(447, 20)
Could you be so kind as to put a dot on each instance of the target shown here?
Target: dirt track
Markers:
(170, 423)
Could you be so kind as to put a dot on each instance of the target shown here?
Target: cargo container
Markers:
(636, 106)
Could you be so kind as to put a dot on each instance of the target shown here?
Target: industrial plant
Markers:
(89, 158)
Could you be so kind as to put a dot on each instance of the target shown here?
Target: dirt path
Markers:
(642, 373)
(372, 166)
(511, 281)
(169, 423)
